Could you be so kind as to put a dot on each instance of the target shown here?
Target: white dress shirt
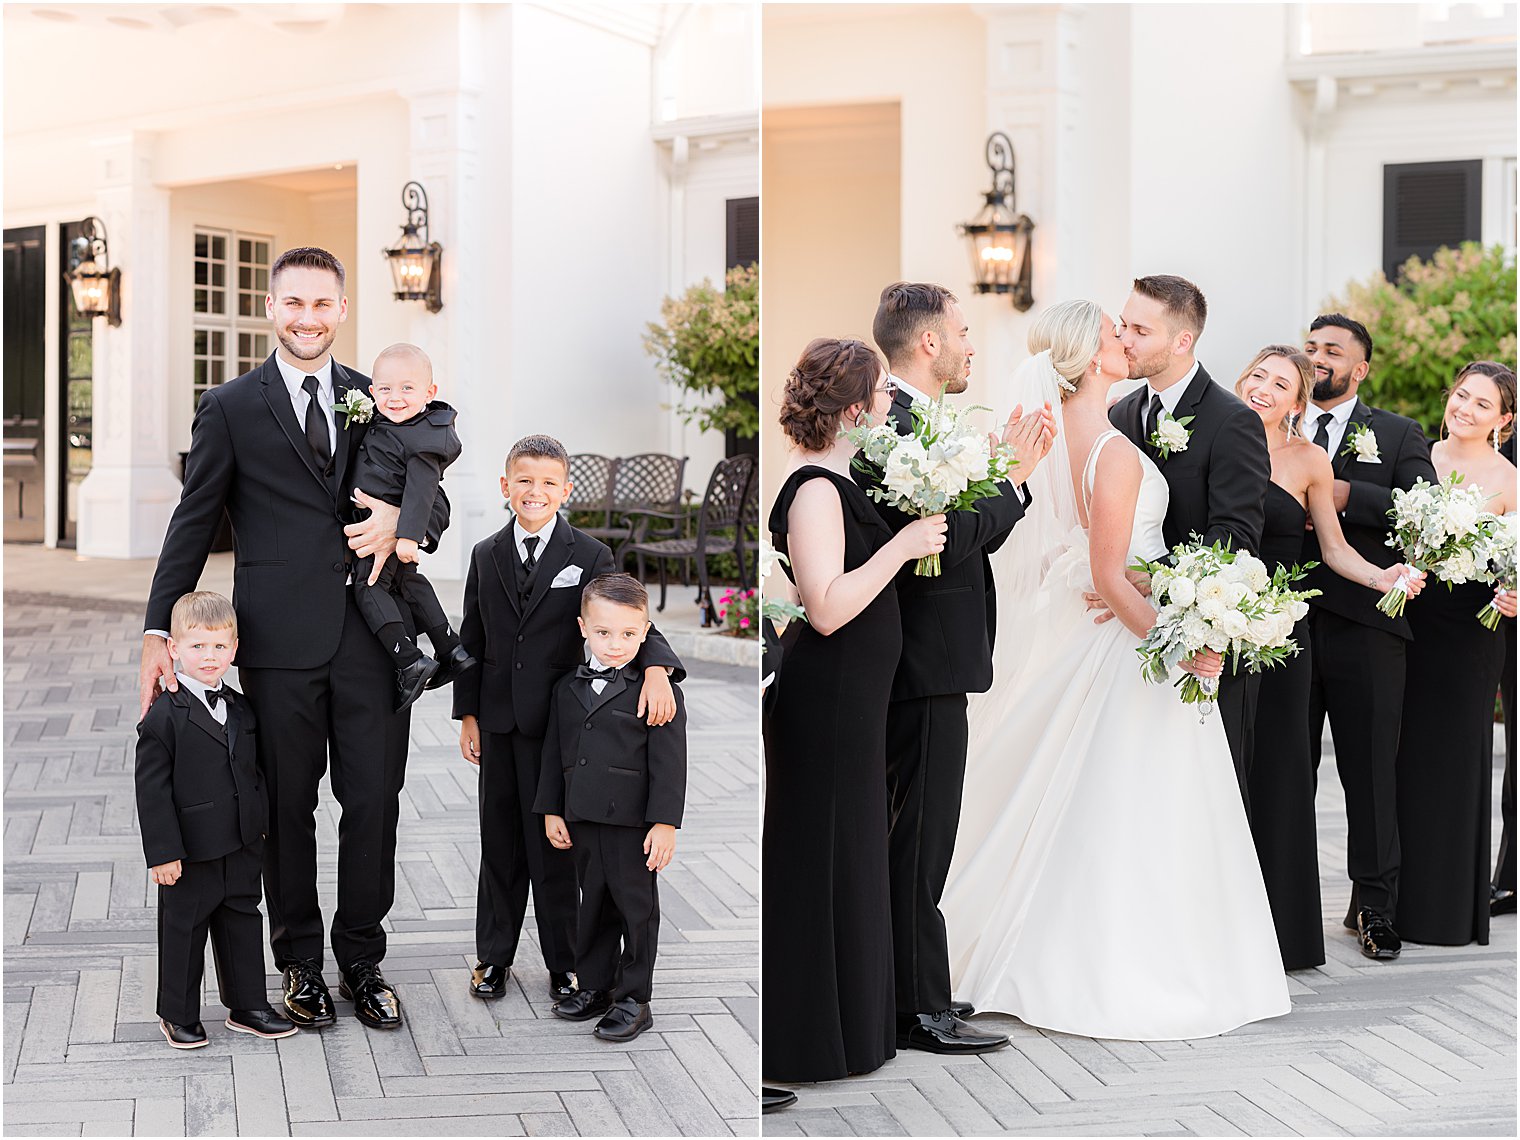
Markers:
(1173, 394)
(1336, 427)
(597, 684)
(542, 534)
(294, 378)
(903, 386)
(219, 713)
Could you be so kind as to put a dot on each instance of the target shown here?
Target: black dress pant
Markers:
(219, 896)
(1504, 872)
(926, 769)
(618, 928)
(343, 711)
(1237, 712)
(1358, 682)
(515, 853)
(401, 586)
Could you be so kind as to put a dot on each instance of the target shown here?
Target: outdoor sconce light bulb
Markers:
(96, 287)
(416, 263)
(1000, 238)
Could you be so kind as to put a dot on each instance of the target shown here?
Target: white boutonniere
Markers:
(1170, 434)
(355, 406)
(1361, 444)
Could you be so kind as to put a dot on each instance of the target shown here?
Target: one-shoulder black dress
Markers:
(827, 1006)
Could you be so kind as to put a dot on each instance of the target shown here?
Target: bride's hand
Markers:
(923, 537)
(1205, 663)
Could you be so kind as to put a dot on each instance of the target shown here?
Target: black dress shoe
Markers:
(773, 1099)
(260, 1022)
(943, 1032)
(307, 1002)
(450, 667)
(1500, 902)
(1377, 936)
(624, 1021)
(412, 679)
(962, 1009)
(191, 1036)
(375, 1003)
(560, 985)
(583, 1005)
(488, 981)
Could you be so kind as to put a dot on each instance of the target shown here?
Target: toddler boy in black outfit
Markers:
(612, 792)
(409, 443)
(201, 807)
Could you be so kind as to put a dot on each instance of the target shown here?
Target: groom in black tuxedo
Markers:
(948, 623)
(1218, 481)
(1358, 651)
(268, 448)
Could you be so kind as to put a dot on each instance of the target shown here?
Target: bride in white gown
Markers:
(1105, 883)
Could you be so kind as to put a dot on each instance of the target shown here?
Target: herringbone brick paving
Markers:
(82, 1051)
(1422, 1046)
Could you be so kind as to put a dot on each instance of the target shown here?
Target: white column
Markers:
(126, 500)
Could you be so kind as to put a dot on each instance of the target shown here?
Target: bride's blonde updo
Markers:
(1072, 331)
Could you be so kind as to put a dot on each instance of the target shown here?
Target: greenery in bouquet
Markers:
(778, 611)
(1212, 597)
(1499, 555)
(1441, 528)
(942, 465)
(1456, 307)
(708, 343)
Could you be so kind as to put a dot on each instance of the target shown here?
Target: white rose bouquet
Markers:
(942, 465)
(1442, 528)
(1499, 554)
(1214, 598)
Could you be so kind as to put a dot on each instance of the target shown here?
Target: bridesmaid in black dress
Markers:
(1277, 385)
(1445, 763)
(827, 1006)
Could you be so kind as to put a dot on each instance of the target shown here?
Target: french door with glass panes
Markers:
(230, 330)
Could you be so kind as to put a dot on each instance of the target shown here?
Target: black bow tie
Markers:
(592, 673)
(214, 695)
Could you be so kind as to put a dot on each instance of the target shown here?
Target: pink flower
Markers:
(744, 623)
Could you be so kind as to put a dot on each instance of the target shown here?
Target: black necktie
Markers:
(530, 544)
(1322, 436)
(316, 425)
(1152, 417)
(213, 696)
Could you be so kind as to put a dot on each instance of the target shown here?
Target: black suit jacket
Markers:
(1218, 486)
(603, 764)
(197, 796)
(1404, 456)
(523, 651)
(248, 453)
(948, 621)
(402, 464)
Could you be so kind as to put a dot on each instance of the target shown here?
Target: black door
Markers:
(25, 348)
(742, 248)
(76, 366)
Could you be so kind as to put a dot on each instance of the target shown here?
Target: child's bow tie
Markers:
(592, 673)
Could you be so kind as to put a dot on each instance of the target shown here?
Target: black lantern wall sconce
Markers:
(416, 263)
(96, 287)
(999, 236)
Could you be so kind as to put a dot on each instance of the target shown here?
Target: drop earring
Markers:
(1496, 437)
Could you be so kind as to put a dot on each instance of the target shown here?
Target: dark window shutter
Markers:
(1427, 205)
(743, 231)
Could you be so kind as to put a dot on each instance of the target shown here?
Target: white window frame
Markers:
(244, 336)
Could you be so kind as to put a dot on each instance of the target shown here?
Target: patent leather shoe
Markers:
(307, 1001)
(1501, 902)
(260, 1022)
(943, 1032)
(560, 985)
(191, 1036)
(450, 667)
(375, 1003)
(773, 1099)
(488, 981)
(624, 1021)
(412, 679)
(583, 1005)
(962, 1009)
(1376, 935)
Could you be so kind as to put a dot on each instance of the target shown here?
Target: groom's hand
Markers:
(156, 664)
(376, 535)
(1138, 579)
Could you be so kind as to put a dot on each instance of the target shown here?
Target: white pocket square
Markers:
(569, 576)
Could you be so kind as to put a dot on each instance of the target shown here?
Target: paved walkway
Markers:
(1423, 1046)
(82, 1052)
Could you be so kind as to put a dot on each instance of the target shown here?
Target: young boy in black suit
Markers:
(201, 807)
(410, 442)
(521, 604)
(621, 785)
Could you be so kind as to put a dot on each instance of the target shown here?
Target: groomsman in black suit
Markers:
(1358, 650)
(1218, 482)
(267, 448)
(948, 624)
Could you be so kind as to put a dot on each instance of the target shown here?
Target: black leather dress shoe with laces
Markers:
(583, 1005)
(375, 1003)
(1501, 902)
(962, 1008)
(624, 1021)
(411, 680)
(1376, 935)
(560, 985)
(450, 667)
(307, 1001)
(191, 1036)
(260, 1022)
(943, 1032)
(488, 981)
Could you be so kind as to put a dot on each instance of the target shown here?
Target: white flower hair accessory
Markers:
(1361, 444)
(1170, 434)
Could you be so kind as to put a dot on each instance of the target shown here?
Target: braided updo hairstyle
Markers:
(829, 376)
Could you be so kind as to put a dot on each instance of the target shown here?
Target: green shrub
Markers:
(709, 343)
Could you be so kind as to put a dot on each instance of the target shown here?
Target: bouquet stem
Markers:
(1489, 615)
(927, 567)
(1392, 603)
(1201, 691)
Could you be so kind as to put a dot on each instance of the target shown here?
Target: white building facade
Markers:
(580, 160)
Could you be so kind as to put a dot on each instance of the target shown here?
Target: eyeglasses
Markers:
(889, 388)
